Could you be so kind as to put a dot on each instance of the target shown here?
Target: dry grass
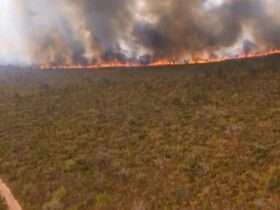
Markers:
(197, 137)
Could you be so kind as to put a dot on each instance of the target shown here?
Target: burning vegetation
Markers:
(163, 62)
(118, 33)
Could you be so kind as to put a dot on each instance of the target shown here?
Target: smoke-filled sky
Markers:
(105, 31)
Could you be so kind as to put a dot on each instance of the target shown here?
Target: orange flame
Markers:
(164, 62)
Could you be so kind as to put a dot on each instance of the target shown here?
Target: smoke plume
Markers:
(52, 32)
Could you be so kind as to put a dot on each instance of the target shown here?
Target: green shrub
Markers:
(102, 200)
(274, 181)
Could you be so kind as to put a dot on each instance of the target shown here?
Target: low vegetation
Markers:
(200, 137)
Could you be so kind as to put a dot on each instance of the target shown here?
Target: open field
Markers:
(204, 137)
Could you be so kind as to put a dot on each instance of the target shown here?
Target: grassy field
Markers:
(203, 137)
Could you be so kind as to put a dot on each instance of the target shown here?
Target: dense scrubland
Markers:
(203, 137)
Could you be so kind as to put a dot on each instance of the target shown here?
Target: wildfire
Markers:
(238, 57)
(164, 62)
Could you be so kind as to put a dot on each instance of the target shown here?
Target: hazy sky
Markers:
(11, 37)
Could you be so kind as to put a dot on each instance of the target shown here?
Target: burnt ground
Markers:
(169, 138)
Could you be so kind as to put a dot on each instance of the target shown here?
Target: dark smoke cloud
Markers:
(96, 31)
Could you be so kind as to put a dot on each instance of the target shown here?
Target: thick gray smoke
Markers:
(107, 31)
